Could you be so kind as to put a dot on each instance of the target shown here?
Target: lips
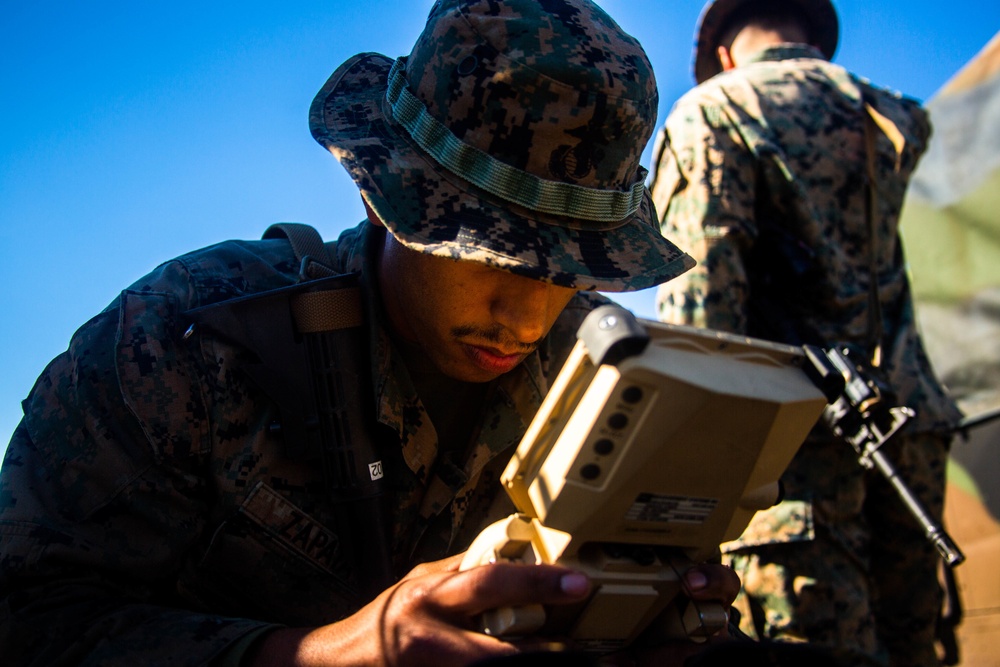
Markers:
(492, 360)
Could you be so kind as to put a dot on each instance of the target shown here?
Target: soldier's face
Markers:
(473, 322)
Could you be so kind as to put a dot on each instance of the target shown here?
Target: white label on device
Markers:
(671, 509)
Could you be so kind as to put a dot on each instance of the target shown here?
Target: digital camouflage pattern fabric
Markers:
(148, 490)
(747, 183)
(511, 135)
(760, 174)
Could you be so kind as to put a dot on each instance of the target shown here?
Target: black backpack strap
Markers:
(307, 244)
(316, 368)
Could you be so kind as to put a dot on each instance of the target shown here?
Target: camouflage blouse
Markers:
(149, 512)
(760, 174)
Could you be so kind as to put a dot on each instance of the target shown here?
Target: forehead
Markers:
(458, 276)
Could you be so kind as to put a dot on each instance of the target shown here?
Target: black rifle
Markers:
(975, 421)
(860, 412)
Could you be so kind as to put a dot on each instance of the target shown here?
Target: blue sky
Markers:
(131, 132)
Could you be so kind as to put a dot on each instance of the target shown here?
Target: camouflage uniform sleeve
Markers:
(96, 506)
(702, 186)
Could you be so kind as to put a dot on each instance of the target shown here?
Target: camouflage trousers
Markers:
(857, 575)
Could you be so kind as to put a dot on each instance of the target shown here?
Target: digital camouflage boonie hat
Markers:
(510, 136)
(824, 28)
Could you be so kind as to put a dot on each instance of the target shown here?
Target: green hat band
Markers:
(499, 178)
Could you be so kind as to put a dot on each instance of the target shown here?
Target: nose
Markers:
(526, 307)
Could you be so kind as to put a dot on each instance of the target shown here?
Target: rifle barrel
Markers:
(978, 420)
(935, 533)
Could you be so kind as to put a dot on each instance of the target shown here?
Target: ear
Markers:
(725, 58)
(372, 215)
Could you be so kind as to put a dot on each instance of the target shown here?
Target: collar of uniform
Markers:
(505, 418)
(786, 51)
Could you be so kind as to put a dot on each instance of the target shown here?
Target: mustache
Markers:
(495, 334)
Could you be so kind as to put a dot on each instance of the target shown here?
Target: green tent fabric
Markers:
(951, 232)
(951, 221)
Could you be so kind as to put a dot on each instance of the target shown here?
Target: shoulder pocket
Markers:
(156, 375)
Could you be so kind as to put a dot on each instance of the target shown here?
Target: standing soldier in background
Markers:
(762, 173)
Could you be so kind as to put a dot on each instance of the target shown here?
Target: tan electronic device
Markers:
(655, 444)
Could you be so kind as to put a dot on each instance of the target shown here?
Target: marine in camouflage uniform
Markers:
(171, 485)
(760, 173)
(153, 511)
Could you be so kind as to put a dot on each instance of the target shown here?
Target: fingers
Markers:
(479, 589)
(430, 613)
(428, 617)
(709, 581)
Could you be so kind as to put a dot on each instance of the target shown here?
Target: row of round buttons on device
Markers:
(616, 422)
